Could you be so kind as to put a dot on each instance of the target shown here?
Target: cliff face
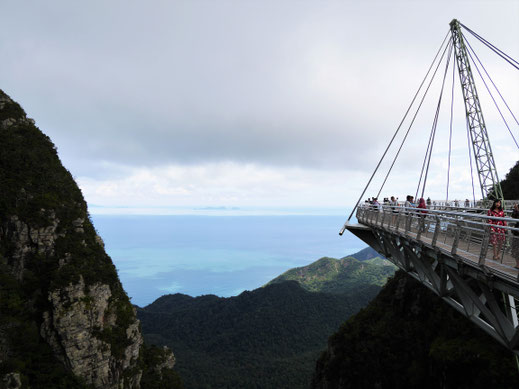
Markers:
(63, 311)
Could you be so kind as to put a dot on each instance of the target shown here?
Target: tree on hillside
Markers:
(510, 185)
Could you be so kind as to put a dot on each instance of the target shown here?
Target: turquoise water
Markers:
(221, 255)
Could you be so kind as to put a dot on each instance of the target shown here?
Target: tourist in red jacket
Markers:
(497, 234)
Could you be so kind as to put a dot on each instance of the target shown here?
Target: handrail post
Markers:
(484, 246)
(421, 226)
(456, 237)
(427, 226)
(436, 231)
(408, 223)
(469, 238)
(383, 217)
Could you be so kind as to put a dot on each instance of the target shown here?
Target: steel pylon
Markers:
(487, 172)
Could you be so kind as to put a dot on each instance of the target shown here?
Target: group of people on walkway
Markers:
(498, 234)
(410, 202)
(393, 202)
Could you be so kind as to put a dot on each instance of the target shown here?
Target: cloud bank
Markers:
(231, 102)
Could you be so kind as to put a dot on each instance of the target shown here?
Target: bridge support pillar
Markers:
(481, 297)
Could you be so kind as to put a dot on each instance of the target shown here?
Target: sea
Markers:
(221, 255)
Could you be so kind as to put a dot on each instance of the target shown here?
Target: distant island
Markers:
(217, 209)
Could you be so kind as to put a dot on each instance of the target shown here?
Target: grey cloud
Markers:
(277, 83)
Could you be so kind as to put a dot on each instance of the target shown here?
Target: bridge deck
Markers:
(451, 253)
(464, 234)
(471, 253)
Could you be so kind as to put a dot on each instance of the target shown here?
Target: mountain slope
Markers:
(365, 254)
(267, 338)
(344, 275)
(408, 338)
(65, 320)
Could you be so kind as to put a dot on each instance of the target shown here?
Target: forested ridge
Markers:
(407, 337)
(266, 338)
(345, 275)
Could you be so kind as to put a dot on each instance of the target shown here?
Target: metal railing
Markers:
(461, 232)
(479, 206)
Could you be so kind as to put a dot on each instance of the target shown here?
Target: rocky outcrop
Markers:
(77, 314)
(58, 285)
(72, 328)
(167, 362)
(27, 239)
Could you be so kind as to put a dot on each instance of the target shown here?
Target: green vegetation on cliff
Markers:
(21, 348)
(34, 190)
(407, 337)
(52, 264)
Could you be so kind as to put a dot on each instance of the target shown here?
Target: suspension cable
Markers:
(450, 129)
(396, 132)
(414, 118)
(499, 52)
(431, 136)
(437, 115)
(490, 93)
(490, 78)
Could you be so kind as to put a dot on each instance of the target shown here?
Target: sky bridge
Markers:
(454, 248)
(450, 252)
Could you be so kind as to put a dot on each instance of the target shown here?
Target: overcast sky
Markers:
(159, 105)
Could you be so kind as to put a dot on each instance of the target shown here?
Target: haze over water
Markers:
(221, 255)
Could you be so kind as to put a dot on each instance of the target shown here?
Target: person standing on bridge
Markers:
(515, 237)
(497, 234)
(394, 209)
(409, 202)
(376, 205)
(423, 206)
